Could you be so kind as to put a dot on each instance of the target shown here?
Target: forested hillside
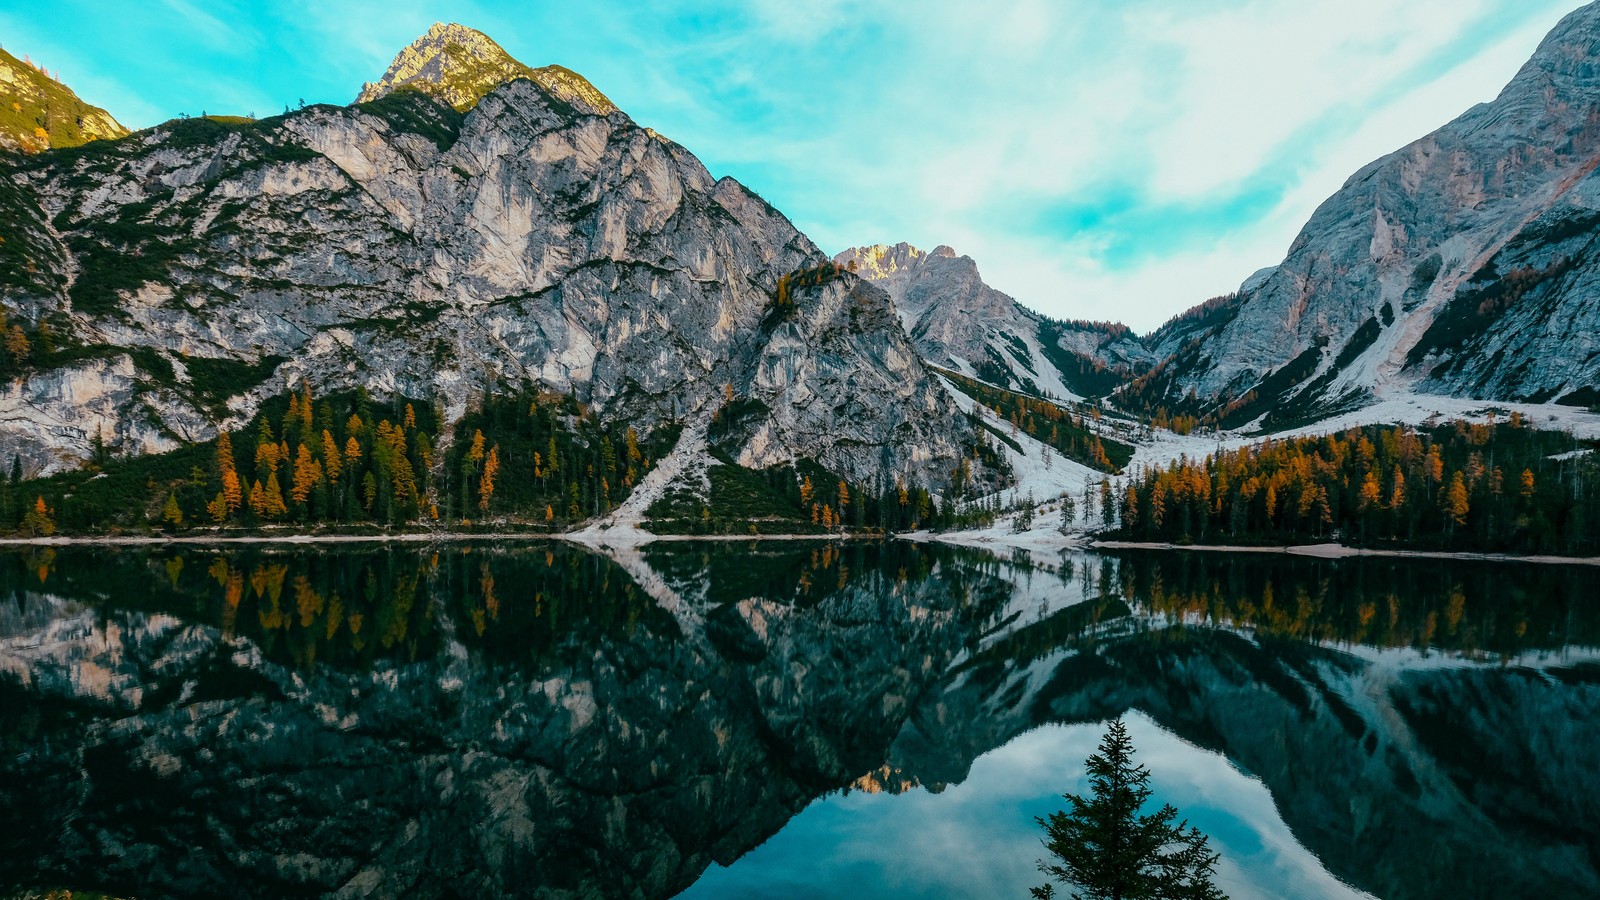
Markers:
(1500, 486)
(1048, 422)
(541, 459)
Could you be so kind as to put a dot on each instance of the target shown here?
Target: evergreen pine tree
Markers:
(172, 514)
(1106, 850)
(1069, 512)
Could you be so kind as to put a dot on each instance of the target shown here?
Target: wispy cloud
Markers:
(1098, 160)
(1103, 161)
(201, 25)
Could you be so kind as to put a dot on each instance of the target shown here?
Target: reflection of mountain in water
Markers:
(1425, 766)
(545, 721)
(436, 724)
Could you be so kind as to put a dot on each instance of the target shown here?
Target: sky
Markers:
(1099, 159)
(978, 838)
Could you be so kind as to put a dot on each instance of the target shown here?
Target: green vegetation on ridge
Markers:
(1047, 422)
(1461, 486)
(38, 112)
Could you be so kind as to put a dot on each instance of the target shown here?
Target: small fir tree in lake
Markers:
(1104, 849)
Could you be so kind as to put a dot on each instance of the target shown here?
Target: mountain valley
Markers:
(472, 228)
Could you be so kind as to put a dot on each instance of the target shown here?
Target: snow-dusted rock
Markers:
(1457, 265)
(958, 322)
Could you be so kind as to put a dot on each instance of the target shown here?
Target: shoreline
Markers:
(621, 539)
(1340, 551)
(632, 538)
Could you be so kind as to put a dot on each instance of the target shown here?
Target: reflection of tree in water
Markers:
(463, 719)
(468, 715)
(300, 607)
(1461, 606)
(303, 609)
(535, 607)
(26, 569)
(529, 605)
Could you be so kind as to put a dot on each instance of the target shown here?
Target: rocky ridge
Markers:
(958, 322)
(38, 112)
(402, 246)
(1459, 265)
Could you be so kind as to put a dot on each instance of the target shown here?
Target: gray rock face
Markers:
(870, 377)
(1457, 265)
(459, 65)
(457, 743)
(958, 322)
(541, 238)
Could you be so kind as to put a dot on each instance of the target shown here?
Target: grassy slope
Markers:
(33, 100)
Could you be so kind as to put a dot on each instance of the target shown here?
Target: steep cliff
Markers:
(539, 238)
(1459, 265)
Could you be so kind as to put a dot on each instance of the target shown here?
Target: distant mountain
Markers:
(37, 112)
(472, 225)
(1463, 264)
(958, 322)
(459, 65)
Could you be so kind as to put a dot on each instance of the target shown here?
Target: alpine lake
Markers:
(784, 719)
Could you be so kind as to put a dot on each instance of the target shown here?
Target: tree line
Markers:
(301, 460)
(1496, 486)
(804, 497)
(546, 457)
(540, 457)
(1049, 423)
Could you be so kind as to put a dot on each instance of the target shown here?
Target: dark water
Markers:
(781, 720)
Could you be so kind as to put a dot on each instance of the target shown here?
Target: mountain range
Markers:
(173, 280)
(1460, 266)
(471, 223)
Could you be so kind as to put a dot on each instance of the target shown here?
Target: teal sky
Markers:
(1107, 159)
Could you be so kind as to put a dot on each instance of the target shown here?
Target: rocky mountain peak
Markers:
(1459, 265)
(532, 244)
(880, 261)
(960, 323)
(38, 112)
(459, 65)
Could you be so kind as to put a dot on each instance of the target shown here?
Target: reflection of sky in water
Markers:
(979, 838)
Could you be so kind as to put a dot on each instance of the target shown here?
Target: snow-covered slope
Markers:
(1460, 265)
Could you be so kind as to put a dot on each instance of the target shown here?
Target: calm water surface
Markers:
(797, 720)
